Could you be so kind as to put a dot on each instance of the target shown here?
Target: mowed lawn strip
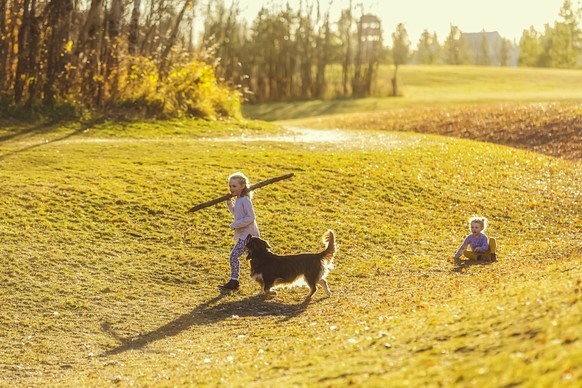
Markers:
(107, 278)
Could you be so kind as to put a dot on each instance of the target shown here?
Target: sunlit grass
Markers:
(107, 279)
(437, 86)
(550, 128)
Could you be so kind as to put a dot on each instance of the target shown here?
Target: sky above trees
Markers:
(508, 17)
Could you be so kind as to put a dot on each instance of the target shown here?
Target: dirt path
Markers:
(337, 138)
(553, 129)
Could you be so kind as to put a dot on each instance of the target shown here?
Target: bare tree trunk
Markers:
(89, 52)
(52, 53)
(348, 56)
(357, 80)
(191, 34)
(291, 58)
(172, 40)
(90, 30)
(64, 36)
(149, 27)
(3, 46)
(33, 56)
(111, 71)
(395, 81)
(11, 38)
(102, 50)
(21, 67)
(320, 84)
(134, 28)
(59, 21)
(306, 56)
(230, 65)
(369, 77)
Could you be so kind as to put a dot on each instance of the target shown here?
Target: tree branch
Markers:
(228, 196)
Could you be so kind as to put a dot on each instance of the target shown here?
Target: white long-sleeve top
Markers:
(245, 222)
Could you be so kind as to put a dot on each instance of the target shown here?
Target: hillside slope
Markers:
(106, 278)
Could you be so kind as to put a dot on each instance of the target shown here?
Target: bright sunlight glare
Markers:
(509, 18)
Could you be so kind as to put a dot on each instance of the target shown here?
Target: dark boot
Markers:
(231, 285)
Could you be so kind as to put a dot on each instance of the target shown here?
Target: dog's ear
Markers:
(265, 244)
(248, 239)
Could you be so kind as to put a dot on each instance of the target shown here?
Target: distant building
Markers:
(370, 35)
(490, 49)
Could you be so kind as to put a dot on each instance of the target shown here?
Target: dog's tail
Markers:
(329, 240)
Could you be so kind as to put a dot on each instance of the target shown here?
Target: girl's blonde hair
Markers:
(243, 180)
(481, 220)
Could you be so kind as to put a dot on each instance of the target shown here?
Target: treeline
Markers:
(135, 58)
(285, 53)
(185, 57)
(559, 45)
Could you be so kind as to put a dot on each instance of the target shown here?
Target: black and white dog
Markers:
(271, 270)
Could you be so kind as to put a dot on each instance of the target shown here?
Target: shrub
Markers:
(190, 90)
(193, 90)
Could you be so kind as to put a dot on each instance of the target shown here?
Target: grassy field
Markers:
(534, 109)
(552, 128)
(439, 86)
(107, 280)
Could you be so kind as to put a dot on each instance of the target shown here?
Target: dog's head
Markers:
(255, 245)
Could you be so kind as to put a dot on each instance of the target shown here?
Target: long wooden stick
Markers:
(228, 196)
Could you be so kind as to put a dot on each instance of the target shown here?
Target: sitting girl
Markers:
(481, 246)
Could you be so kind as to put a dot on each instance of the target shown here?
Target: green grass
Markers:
(107, 280)
(430, 86)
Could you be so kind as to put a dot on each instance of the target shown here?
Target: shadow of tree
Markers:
(205, 314)
(44, 129)
(31, 130)
(297, 110)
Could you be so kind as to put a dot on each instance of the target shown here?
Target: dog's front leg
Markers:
(267, 289)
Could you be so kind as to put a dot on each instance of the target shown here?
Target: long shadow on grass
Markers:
(206, 313)
(32, 130)
(44, 129)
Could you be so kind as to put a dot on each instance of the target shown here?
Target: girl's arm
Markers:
(483, 245)
(463, 247)
(230, 205)
(248, 217)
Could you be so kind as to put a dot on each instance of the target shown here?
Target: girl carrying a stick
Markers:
(241, 207)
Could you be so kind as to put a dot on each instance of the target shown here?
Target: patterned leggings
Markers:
(238, 250)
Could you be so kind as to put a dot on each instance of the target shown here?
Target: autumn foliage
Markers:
(57, 57)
